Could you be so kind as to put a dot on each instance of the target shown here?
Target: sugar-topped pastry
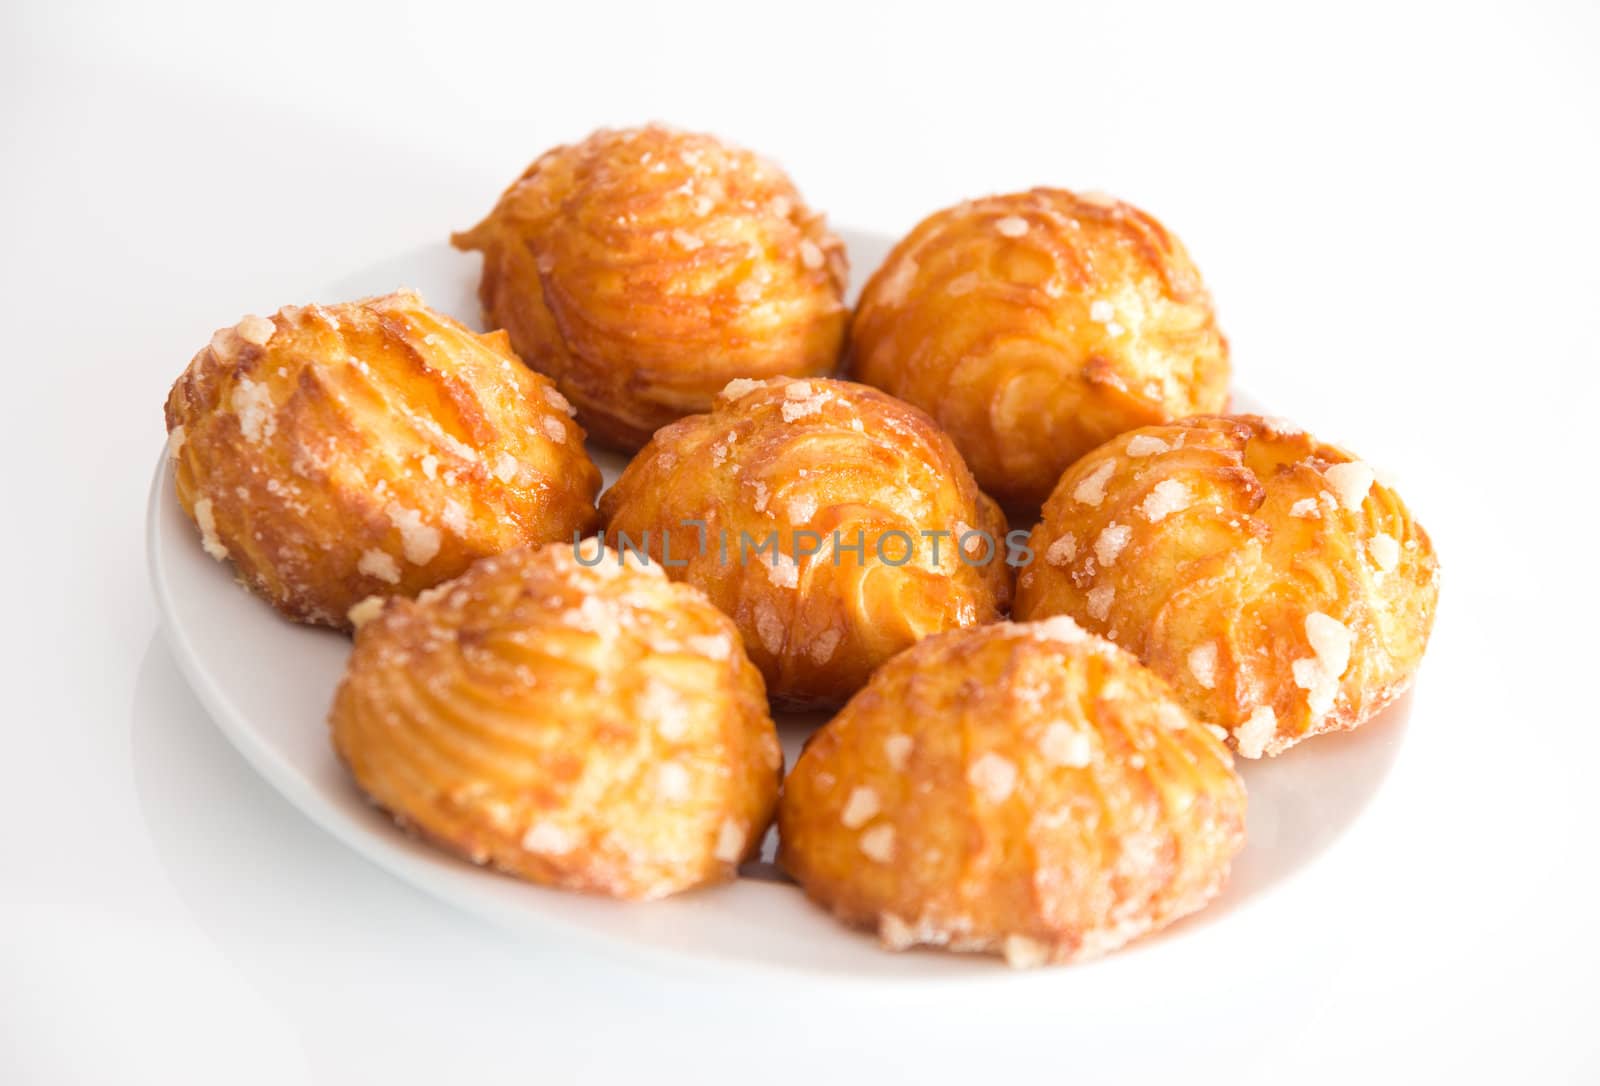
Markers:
(1270, 578)
(643, 269)
(837, 525)
(565, 717)
(370, 448)
(1037, 325)
(1027, 790)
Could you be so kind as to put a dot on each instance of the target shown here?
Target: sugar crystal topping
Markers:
(1350, 482)
(1091, 489)
(1062, 550)
(1385, 550)
(860, 808)
(769, 627)
(1099, 601)
(1330, 640)
(205, 516)
(877, 843)
(783, 571)
(1112, 539)
(1165, 498)
(1318, 675)
(824, 645)
(376, 563)
(365, 611)
(897, 748)
(555, 399)
(993, 776)
(712, 646)
(252, 402)
(801, 399)
(738, 387)
(453, 515)
(419, 540)
(661, 704)
(1024, 952)
(257, 330)
(1253, 735)
(1064, 745)
(730, 841)
(1059, 628)
(672, 781)
(549, 839)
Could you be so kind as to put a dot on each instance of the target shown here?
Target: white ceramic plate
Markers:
(268, 683)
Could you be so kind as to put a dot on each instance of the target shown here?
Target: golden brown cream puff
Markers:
(1019, 789)
(370, 448)
(1270, 578)
(1035, 326)
(567, 718)
(836, 524)
(643, 269)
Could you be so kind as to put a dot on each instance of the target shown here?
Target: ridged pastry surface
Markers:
(1037, 325)
(597, 729)
(1279, 587)
(1019, 789)
(643, 269)
(848, 464)
(370, 448)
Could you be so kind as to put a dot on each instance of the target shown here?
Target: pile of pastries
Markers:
(995, 518)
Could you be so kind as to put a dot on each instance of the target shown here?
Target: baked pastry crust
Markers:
(1279, 588)
(374, 447)
(847, 463)
(1037, 325)
(643, 269)
(591, 728)
(1018, 789)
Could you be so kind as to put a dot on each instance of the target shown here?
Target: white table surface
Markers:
(1395, 207)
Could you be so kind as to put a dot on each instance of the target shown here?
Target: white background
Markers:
(1395, 207)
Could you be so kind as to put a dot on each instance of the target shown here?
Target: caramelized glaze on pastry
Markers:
(643, 269)
(1266, 575)
(595, 728)
(1019, 789)
(867, 477)
(375, 447)
(1035, 326)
